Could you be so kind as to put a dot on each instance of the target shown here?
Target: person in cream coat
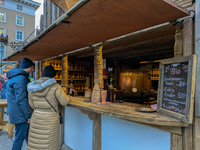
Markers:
(44, 132)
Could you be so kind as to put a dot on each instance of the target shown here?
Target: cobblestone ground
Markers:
(5, 142)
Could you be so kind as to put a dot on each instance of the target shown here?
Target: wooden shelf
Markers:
(80, 91)
(58, 79)
(76, 70)
(76, 79)
(57, 68)
(154, 79)
(154, 74)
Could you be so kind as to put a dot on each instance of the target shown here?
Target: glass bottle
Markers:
(71, 88)
(110, 92)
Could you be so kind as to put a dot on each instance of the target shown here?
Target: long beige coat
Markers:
(44, 132)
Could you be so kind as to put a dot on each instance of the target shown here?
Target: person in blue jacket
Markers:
(17, 99)
(3, 88)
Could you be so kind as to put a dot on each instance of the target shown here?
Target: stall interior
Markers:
(132, 63)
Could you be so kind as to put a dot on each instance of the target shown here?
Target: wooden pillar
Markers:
(177, 140)
(187, 138)
(96, 140)
(64, 84)
(64, 80)
(178, 46)
(188, 37)
(188, 49)
(40, 67)
(196, 125)
(98, 79)
(98, 67)
(196, 133)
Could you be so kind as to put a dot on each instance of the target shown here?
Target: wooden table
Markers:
(3, 124)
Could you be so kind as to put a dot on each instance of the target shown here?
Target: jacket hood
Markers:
(16, 72)
(40, 85)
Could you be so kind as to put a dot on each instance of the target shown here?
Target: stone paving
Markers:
(5, 142)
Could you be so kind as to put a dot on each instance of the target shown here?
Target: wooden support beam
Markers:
(98, 67)
(187, 138)
(178, 45)
(150, 52)
(64, 84)
(64, 80)
(143, 43)
(174, 130)
(196, 124)
(188, 37)
(188, 49)
(96, 141)
(196, 133)
(176, 142)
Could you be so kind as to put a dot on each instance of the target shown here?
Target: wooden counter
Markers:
(127, 111)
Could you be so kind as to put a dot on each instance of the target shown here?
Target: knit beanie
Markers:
(49, 71)
(26, 63)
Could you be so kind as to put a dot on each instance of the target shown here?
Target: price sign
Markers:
(176, 87)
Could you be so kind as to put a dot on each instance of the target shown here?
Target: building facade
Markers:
(17, 21)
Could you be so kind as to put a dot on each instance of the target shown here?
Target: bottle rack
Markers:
(154, 73)
(76, 72)
(57, 64)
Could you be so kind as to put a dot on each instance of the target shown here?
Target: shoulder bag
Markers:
(61, 118)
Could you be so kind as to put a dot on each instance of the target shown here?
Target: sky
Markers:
(38, 12)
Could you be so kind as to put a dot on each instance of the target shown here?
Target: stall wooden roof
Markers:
(90, 22)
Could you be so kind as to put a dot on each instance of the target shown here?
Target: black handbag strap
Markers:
(51, 106)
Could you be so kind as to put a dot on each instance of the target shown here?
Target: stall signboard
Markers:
(176, 87)
(96, 93)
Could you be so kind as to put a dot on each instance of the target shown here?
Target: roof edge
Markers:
(65, 16)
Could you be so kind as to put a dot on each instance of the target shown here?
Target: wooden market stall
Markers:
(126, 33)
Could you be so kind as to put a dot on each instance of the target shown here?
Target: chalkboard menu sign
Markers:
(176, 87)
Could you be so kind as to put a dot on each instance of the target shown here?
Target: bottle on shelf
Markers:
(110, 92)
(77, 76)
(71, 88)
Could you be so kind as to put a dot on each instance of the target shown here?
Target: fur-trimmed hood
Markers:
(40, 85)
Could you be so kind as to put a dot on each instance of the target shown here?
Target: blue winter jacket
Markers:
(17, 96)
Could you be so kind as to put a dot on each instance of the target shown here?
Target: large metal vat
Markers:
(136, 85)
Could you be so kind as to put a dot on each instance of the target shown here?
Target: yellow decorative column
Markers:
(98, 67)
(64, 79)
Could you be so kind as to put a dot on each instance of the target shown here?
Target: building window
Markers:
(2, 31)
(2, 53)
(19, 7)
(19, 20)
(19, 35)
(2, 16)
(2, 2)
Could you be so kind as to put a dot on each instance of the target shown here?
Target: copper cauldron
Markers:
(135, 84)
